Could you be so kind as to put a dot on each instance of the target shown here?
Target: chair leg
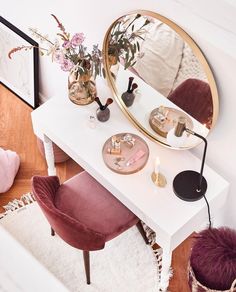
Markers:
(52, 232)
(87, 265)
(142, 232)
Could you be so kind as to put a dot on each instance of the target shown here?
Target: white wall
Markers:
(212, 24)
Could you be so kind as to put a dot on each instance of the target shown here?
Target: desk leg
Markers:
(49, 155)
(166, 270)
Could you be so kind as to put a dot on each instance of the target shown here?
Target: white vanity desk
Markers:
(66, 124)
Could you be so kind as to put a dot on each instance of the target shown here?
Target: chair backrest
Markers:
(69, 229)
(194, 97)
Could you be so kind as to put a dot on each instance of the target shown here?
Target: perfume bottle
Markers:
(115, 146)
(92, 122)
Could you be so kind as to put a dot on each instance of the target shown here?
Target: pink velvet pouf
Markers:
(59, 155)
(212, 264)
(9, 165)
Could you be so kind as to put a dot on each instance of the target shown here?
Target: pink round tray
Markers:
(133, 154)
(170, 121)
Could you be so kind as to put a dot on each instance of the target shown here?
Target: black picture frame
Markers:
(20, 74)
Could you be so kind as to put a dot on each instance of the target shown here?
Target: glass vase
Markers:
(128, 98)
(103, 115)
(81, 88)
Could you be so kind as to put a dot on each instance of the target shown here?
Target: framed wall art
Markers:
(20, 72)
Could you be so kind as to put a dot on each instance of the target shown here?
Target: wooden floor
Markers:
(16, 134)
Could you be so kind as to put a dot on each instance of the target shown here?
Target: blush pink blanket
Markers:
(9, 165)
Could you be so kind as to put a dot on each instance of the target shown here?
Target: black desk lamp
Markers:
(190, 185)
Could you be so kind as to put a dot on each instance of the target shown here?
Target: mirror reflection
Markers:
(158, 77)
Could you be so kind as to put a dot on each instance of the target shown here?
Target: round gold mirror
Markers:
(158, 74)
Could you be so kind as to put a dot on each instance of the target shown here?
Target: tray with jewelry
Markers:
(163, 119)
(125, 153)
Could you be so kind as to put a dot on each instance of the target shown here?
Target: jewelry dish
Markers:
(163, 119)
(125, 153)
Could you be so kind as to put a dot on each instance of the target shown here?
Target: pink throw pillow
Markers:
(9, 165)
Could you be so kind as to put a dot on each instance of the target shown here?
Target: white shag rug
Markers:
(125, 264)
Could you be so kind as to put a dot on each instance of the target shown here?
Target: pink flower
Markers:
(58, 56)
(77, 39)
(66, 44)
(66, 65)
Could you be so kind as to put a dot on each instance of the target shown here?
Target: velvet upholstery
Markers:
(81, 211)
(194, 97)
(84, 199)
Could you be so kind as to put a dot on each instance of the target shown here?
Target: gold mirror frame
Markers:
(196, 50)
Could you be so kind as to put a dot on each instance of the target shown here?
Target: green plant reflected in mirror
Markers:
(158, 74)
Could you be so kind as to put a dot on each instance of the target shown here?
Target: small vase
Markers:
(82, 88)
(128, 98)
(103, 115)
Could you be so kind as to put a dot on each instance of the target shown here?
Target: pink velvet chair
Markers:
(82, 212)
(194, 97)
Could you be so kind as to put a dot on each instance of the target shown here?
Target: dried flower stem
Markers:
(65, 35)
(14, 50)
(40, 36)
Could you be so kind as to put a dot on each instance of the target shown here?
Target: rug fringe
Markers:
(16, 204)
(151, 235)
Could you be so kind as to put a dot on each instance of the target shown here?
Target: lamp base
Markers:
(185, 186)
